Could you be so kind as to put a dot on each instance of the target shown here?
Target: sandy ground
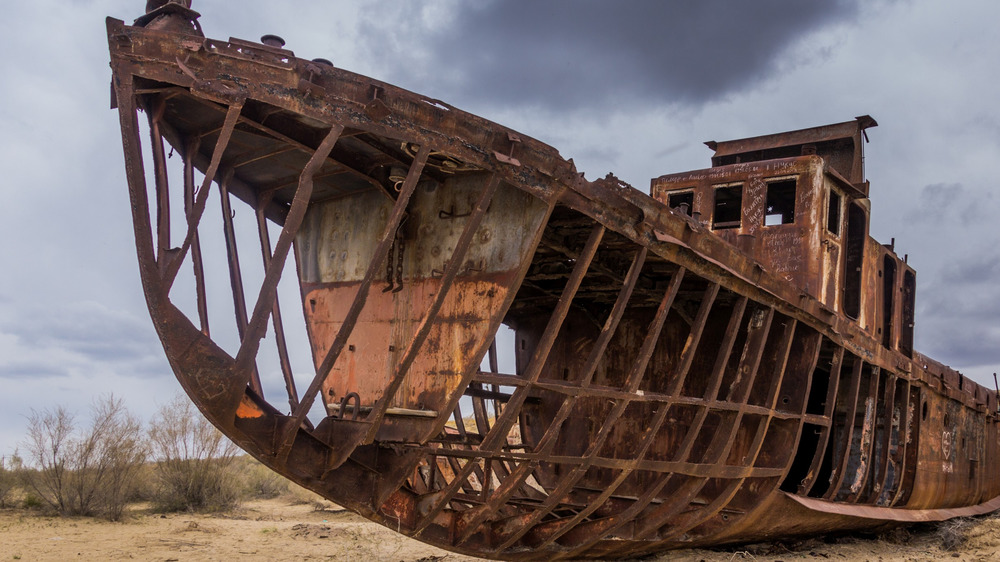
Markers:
(279, 530)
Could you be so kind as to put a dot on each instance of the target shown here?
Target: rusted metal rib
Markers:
(691, 345)
(867, 438)
(267, 297)
(908, 440)
(236, 282)
(545, 445)
(720, 501)
(284, 362)
(882, 463)
(821, 447)
(631, 385)
(498, 433)
(161, 182)
(197, 263)
(839, 473)
(725, 349)
(201, 196)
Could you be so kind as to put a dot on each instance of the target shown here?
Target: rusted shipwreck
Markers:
(728, 360)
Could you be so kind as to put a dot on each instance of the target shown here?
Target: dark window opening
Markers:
(780, 203)
(728, 207)
(682, 201)
(833, 213)
(888, 300)
(906, 327)
(855, 253)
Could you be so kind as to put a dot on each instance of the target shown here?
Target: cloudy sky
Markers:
(629, 87)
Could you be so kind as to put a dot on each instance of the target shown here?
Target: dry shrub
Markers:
(89, 473)
(195, 463)
(954, 532)
(259, 481)
(297, 495)
(9, 472)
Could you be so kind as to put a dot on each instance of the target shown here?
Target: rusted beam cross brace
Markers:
(548, 440)
(712, 389)
(305, 148)
(196, 258)
(267, 297)
(236, 278)
(831, 401)
(867, 437)
(160, 179)
(837, 476)
(169, 270)
(802, 366)
(276, 322)
(647, 439)
(248, 158)
(597, 266)
(498, 433)
(716, 451)
(632, 383)
(697, 469)
(570, 388)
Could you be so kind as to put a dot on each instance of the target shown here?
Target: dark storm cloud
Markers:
(960, 308)
(978, 269)
(949, 203)
(566, 54)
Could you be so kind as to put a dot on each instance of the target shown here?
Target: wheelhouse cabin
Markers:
(797, 202)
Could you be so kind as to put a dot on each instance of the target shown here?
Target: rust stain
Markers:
(248, 410)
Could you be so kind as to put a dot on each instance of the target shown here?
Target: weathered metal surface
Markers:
(728, 360)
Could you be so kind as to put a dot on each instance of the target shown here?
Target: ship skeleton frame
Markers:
(670, 390)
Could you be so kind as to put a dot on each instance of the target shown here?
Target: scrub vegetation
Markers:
(99, 467)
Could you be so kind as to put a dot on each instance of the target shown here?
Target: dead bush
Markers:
(259, 481)
(195, 463)
(89, 473)
(9, 471)
(953, 533)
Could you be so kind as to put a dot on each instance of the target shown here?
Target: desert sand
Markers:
(282, 529)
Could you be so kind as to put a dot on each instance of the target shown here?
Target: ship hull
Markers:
(666, 390)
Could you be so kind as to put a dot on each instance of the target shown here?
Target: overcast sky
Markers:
(629, 87)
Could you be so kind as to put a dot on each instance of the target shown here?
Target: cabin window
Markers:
(833, 213)
(857, 232)
(906, 327)
(780, 203)
(681, 200)
(728, 206)
(888, 299)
